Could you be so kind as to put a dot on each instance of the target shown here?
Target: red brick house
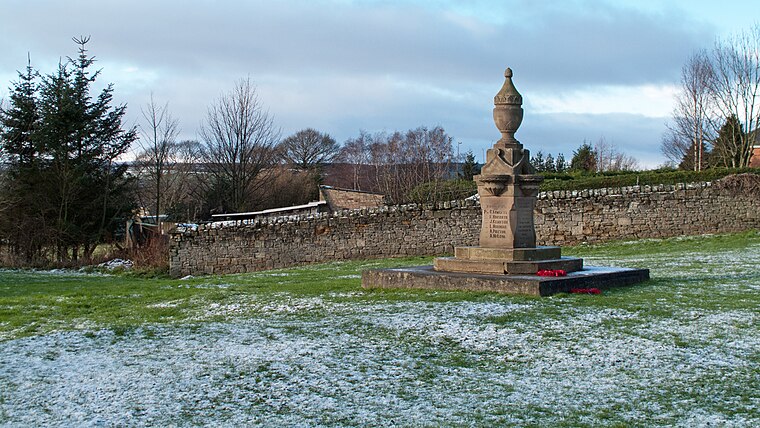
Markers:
(754, 160)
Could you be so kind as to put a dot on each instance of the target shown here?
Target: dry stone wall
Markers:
(562, 218)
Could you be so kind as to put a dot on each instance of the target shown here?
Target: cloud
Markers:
(605, 44)
(646, 100)
(342, 66)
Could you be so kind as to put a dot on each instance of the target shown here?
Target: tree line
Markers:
(717, 108)
(602, 156)
(65, 187)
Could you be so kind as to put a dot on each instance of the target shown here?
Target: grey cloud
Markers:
(607, 44)
(380, 65)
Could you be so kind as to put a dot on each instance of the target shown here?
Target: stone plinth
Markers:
(508, 254)
(453, 264)
(424, 277)
(507, 260)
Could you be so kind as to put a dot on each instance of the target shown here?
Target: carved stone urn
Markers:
(507, 111)
(508, 184)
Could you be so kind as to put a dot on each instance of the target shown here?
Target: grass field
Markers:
(308, 347)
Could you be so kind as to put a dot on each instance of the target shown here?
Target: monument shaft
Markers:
(508, 184)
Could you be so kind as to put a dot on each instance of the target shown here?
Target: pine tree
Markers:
(549, 164)
(561, 164)
(584, 158)
(538, 161)
(470, 168)
(725, 149)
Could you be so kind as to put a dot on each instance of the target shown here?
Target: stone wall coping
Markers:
(448, 205)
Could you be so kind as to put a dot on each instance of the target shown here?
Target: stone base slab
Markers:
(425, 277)
(508, 254)
(497, 267)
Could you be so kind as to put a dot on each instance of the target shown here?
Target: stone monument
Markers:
(507, 259)
(507, 186)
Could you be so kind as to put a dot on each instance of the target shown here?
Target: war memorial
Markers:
(507, 259)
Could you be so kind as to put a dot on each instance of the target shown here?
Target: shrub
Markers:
(441, 191)
(577, 181)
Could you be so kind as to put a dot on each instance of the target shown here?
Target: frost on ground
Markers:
(53, 272)
(420, 363)
(117, 264)
(340, 359)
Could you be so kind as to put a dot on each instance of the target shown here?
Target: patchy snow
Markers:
(340, 359)
(116, 264)
(53, 272)
(170, 304)
(385, 364)
(210, 285)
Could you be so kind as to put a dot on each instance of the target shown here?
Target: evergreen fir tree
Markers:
(65, 144)
(688, 162)
(21, 224)
(538, 161)
(549, 164)
(725, 152)
(18, 123)
(584, 159)
(470, 168)
(560, 163)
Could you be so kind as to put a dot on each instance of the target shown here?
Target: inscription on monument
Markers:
(524, 208)
(497, 222)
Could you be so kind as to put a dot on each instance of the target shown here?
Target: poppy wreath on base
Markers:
(585, 291)
(556, 272)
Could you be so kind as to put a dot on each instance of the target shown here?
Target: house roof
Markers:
(283, 210)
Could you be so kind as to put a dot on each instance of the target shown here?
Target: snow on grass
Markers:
(54, 272)
(415, 363)
(207, 285)
(682, 350)
(352, 276)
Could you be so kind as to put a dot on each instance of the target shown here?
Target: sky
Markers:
(587, 69)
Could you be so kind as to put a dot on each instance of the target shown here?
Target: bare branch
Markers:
(158, 133)
(238, 144)
(735, 91)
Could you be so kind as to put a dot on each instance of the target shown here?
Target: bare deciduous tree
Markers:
(401, 161)
(684, 142)
(159, 132)
(609, 158)
(354, 153)
(308, 148)
(182, 192)
(238, 143)
(735, 90)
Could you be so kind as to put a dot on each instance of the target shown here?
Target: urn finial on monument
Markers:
(507, 184)
(507, 111)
